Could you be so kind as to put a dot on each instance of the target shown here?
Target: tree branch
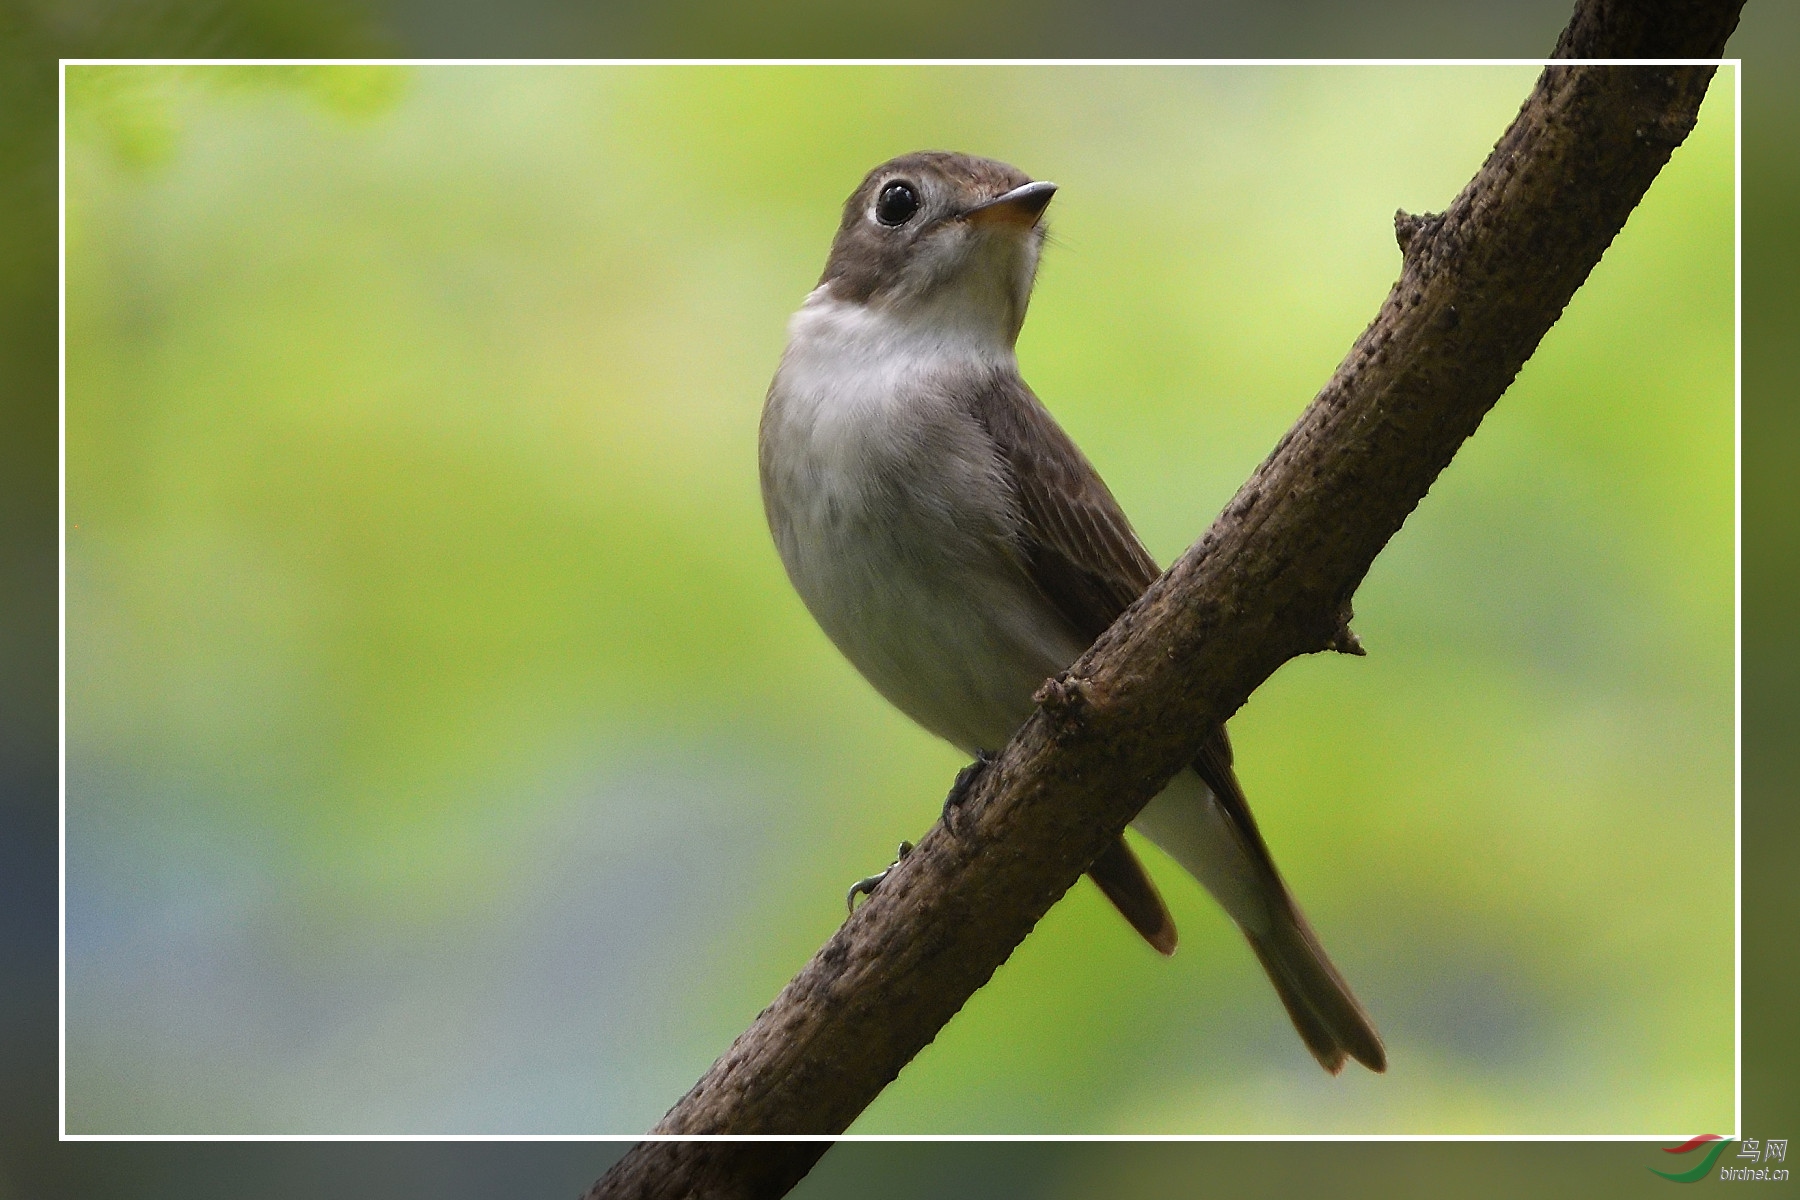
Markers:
(1271, 579)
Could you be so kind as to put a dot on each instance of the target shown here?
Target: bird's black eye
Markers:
(897, 203)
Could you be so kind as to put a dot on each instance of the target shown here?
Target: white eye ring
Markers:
(896, 203)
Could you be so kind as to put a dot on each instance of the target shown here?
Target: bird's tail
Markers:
(1322, 1006)
(1224, 851)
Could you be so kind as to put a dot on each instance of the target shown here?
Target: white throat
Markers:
(843, 354)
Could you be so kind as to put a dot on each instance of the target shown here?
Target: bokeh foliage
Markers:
(448, 754)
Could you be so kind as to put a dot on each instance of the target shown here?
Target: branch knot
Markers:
(1343, 639)
(1064, 697)
(1408, 227)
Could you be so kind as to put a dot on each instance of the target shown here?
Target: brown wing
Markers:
(1124, 881)
(1084, 556)
(1213, 764)
(1078, 545)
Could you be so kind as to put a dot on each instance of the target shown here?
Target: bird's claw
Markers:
(866, 887)
(965, 783)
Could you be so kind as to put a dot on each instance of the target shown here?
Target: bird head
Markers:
(943, 239)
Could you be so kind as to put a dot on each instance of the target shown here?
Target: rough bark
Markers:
(1272, 579)
(708, 1170)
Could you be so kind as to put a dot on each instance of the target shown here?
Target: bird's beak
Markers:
(1020, 207)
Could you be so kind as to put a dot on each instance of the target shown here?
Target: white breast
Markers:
(892, 512)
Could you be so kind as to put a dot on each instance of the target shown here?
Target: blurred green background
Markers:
(447, 752)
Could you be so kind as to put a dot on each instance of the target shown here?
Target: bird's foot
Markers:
(866, 887)
(965, 784)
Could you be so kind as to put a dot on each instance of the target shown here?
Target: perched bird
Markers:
(959, 549)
